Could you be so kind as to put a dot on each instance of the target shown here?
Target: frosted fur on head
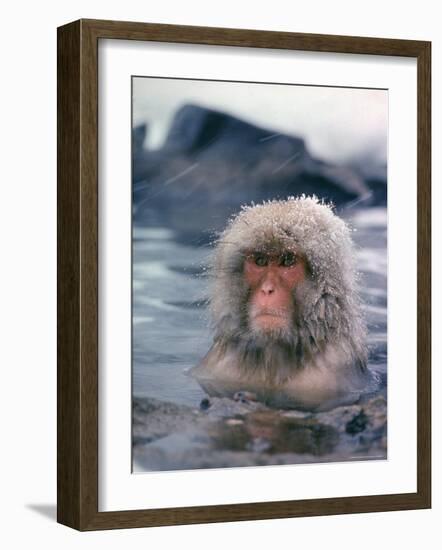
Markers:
(330, 313)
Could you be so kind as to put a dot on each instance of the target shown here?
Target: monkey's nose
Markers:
(267, 288)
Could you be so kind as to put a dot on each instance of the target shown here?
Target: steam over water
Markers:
(171, 330)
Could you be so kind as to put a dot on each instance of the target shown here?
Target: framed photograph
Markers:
(243, 274)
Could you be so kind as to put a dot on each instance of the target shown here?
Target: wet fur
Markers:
(321, 356)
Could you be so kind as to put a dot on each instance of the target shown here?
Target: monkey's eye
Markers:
(288, 259)
(261, 260)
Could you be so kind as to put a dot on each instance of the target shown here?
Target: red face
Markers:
(272, 279)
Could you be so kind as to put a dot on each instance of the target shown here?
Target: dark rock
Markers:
(357, 424)
(138, 137)
(244, 396)
(212, 163)
(205, 404)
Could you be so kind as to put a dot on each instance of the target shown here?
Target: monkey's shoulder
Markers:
(321, 383)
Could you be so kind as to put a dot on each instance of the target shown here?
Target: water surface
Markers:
(171, 324)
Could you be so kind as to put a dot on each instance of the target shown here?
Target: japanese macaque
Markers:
(285, 309)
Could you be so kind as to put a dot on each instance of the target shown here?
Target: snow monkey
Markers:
(286, 313)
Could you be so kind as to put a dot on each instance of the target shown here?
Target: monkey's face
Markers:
(272, 278)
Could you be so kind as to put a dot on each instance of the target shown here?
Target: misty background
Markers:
(339, 125)
(207, 148)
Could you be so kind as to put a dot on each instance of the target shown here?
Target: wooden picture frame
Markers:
(77, 461)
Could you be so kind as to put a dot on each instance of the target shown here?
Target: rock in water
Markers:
(231, 433)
